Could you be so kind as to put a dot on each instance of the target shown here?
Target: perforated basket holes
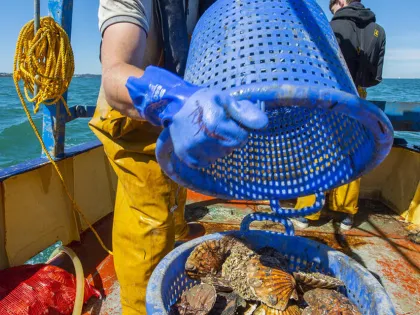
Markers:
(300, 150)
(177, 288)
(357, 297)
(238, 43)
(306, 264)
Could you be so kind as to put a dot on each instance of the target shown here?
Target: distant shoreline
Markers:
(89, 75)
(84, 75)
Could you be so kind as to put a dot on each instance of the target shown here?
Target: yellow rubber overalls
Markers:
(149, 207)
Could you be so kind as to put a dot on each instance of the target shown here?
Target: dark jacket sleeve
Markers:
(382, 41)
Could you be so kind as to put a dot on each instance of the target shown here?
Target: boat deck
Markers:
(379, 242)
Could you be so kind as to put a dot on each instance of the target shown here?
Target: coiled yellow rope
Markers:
(46, 59)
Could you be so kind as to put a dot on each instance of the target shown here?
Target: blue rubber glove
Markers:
(159, 94)
(211, 124)
(204, 124)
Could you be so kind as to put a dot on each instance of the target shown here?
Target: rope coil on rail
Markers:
(46, 59)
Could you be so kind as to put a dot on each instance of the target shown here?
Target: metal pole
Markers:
(55, 117)
(37, 22)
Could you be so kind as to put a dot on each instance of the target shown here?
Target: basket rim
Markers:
(312, 97)
(155, 303)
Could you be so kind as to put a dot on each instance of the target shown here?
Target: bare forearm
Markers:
(122, 53)
(114, 79)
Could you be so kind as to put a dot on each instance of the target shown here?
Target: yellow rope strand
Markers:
(46, 59)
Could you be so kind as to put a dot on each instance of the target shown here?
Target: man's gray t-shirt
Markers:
(142, 13)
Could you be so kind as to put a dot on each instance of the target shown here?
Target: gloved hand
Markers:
(211, 124)
(159, 94)
(204, 124)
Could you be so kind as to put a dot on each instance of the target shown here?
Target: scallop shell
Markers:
(199, 300)
(250, 308)
(323, 301)
(273, 258)
(271, 286)
(266, 310)
(207, 258)
(317, 280)
(228, 304)
(201, 297)
(234, 270)
(220, 284)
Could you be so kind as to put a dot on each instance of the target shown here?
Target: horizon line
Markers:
(95, 74)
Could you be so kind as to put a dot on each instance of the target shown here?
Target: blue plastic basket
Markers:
(169, 280)
(283, 53)
(321, 135)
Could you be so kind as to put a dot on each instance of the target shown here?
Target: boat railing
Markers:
(404, 116)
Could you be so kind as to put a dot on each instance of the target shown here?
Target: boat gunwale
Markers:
(33, 164)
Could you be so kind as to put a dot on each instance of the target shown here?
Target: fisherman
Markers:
(149, 207)
(362, 43)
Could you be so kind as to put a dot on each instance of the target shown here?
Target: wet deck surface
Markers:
(378, 241)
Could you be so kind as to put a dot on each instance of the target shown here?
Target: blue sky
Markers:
(401, 25)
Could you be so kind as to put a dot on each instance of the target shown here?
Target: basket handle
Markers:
(263, 216)
(281, 215)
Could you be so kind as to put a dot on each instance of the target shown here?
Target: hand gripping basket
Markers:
(283, 55)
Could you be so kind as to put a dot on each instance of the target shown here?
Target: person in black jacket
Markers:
(362, 43)
(361, 39)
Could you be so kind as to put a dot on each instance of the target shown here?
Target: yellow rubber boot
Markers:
(345, 198)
